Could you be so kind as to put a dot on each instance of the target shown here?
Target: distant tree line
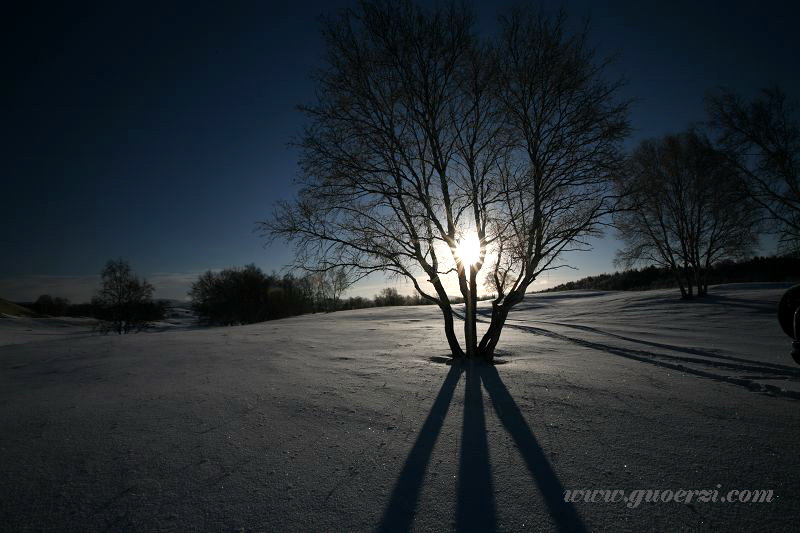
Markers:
(769, 269)
(50, 306)
(246, 295)
(47, 305)
(238, 295)
(122, 304)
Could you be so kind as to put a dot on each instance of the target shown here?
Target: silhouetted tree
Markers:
(762, 139)
(357, 302)
(423, 137)
(43, 305)
(231, 296)
(683, 209)
(247, 295)
(295, 297)
(389, 297)
(566, 124)
(125, 301)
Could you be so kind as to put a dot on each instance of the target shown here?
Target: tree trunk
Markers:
(492, 335)
(689, 283)
(471, 315)
(469, 326)
(680, 286)
(684, 294)
(679, 278)
(702, 283)
(450, 331)
(698, 281)
(470, 342)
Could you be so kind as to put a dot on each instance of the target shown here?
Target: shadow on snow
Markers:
(475, 506)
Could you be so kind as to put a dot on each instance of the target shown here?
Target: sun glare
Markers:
(469, 249)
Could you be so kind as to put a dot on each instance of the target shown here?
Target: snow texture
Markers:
(350, 421)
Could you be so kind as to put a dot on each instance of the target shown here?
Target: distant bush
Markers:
(357, 302)
(43, 307)
(90, 310)
(135, 316)
(50, 306)
(247, 295)
(148, 311)
(771, 269)
(388, 297)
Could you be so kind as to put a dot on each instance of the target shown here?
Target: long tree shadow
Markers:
(475, 506)
(760, 366)
(681, 364)
(564, 514)
(676, 362)
(778, 368)
(403, 503)
(762, 306)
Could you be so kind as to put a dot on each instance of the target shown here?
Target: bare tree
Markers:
(684, 209)
(430, 152)
(762, 139)
(329, 283)
(125, 300)
(566, 124)
(339, 280)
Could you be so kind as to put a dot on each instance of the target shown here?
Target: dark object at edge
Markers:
(789, 318)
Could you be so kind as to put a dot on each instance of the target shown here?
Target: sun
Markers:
(469, 249)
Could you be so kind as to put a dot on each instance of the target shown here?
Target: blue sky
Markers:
(158, 132)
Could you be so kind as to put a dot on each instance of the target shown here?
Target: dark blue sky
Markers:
(157, 132)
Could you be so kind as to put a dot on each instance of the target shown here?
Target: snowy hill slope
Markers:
(347, 421)
(25, 329)
(732, 335)
(12, 309)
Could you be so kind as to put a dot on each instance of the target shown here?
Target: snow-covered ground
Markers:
(349, 421)
(733, 335)
(23, 329)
